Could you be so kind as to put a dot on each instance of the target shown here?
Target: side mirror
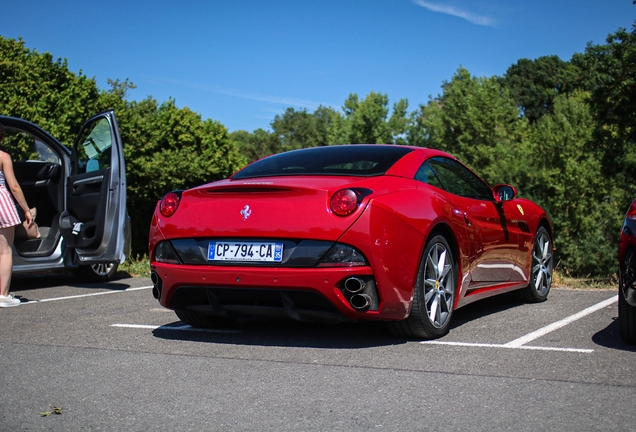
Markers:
(504, 192)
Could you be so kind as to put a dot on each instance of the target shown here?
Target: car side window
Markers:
(459, 180)
(94, 147)
(426, 175)
(24, 147)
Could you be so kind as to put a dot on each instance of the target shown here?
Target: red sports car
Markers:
(353, 232)
(627, 277)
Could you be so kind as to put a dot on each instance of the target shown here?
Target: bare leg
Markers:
(6, 259)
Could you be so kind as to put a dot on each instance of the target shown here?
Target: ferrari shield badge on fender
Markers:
(520, 209)
(247, 211)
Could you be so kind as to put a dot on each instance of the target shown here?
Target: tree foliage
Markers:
(362, 121)
(565, 178)
(367, 121)
(611, 80)
(533, 84)
(38, 88)
(300, 129)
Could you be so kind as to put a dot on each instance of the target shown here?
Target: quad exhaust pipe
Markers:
(359, 298)
(360, 301)
(156, 285)
(354, 285)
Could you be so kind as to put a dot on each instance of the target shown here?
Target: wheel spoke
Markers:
(432, 314)
(440, 265)
(548, 258)
(545, 249)
(447, 299)
(447, 269)
(539, 278)
(428, 295)
(438, 312)
(430, 265)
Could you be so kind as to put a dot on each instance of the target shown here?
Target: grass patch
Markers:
(138, 266)
(562, 280)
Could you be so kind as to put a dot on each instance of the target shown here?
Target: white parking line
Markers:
(562, 323)
(520, 343)
(483, 345)
(86, 295)
(179, 328)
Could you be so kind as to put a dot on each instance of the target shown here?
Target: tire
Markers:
(101, 272)
(626, 312)
(434, 294)
(201, 320)
(541, 269)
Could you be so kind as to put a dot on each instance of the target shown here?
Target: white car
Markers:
(80, 196)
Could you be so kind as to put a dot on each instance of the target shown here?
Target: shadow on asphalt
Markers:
(290, 333)
(610, 337)
(31, 281)
(485, 307)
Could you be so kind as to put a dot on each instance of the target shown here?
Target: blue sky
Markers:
(241, 62)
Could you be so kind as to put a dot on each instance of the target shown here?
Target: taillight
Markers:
(169, 203)
(344, 202)
(631, 213)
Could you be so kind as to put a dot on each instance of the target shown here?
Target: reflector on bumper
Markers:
(343, 255)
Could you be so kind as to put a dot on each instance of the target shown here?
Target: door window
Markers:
(459, 180)
(94, 150)
(24, 147)
(425, 174)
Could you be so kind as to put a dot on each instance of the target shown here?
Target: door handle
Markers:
(460, 214)
(90, 180)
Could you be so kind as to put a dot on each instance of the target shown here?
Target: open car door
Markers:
(94, 222)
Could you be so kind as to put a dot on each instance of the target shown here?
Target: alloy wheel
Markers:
(438, 285)
(542, 263)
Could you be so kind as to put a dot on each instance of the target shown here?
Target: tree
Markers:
(611, 79)
(37, 88)
(534, 84)
(300, 129)
(566, 179)
(255, 145)
(366, 121)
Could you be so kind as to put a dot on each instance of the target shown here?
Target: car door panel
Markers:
(40, 182)
(495, 242)
(93, 222)
(493, 249)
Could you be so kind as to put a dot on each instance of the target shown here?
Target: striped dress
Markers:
(8, 213)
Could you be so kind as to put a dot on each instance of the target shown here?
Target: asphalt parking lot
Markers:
(112, 359)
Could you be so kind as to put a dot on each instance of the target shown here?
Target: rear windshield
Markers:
(347, 160)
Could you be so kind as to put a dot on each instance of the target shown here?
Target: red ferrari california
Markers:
(352, 232)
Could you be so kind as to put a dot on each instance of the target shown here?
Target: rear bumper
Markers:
(306, 294)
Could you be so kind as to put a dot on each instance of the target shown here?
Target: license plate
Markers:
(245, 251)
